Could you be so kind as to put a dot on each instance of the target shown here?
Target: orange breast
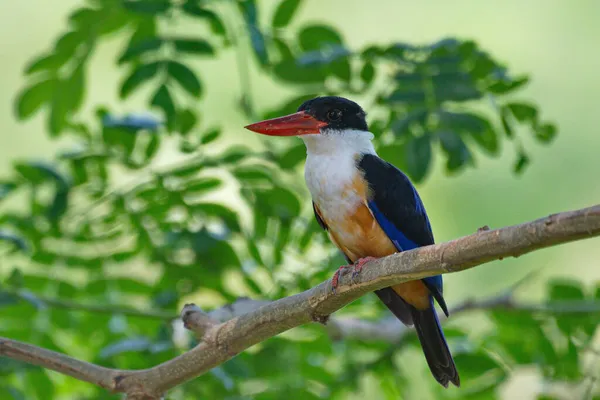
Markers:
(359, 235)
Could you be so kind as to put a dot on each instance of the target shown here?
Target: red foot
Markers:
(336, 277)
(357, 268)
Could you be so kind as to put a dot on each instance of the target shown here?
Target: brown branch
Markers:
(58, 362)
(197, 320)
(223, 341)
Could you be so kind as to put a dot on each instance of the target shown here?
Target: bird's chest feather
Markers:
(340, 194)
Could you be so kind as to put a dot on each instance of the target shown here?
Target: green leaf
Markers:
(503, 87)
(283, 50)
(456, 91)
(291, 71)
(32, 98)
(163, 100)
(6, 188)
(213, 251)
(278, 202)
(185, 77)
(563, 289)
(393, 153)
(292, 156)
(229, 217)
(51, 62)
(210, 136)
(457, 153)
(284, 13)
(545, 133)
(341, 69)
(520, 335)
(415, 117)
(216, 25)
(253, 174)
(189, 169)
(234, 154)
(138, 76)
(202, 185)
(506, 123)
(40, 172)
(73, 88)
(474, 365)
(70, 42)
(44, 257)
(194, 46)
(141, 47)
(417, 153)
(522, 162)
(144, 28)
(250, 13)
(367, 73)
(316, 37)
(186, 120)
(478, 127)
(414, 96)
(15, 279)
(83, 17)
(567, 366)
(59, 204)
(147, 6)
(523, 112)
(412, 80)
(67, 97)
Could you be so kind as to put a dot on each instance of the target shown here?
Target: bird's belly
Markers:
(352, 226)
(355, 231)
(359, 235)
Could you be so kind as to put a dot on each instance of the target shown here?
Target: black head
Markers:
(315, 116)
(339, 113)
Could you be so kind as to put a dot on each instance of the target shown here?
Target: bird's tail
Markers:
(434, 345)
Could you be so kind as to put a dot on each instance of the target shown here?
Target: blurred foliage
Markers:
(75, 233)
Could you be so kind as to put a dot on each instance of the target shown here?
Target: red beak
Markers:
(296, 124)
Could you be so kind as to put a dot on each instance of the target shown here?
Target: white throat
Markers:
(332, 143)
(331, 168)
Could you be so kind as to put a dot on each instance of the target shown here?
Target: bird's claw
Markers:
(356, 269)
(336, 278)
(358, 266)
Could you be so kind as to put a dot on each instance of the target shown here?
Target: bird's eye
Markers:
(334, 115)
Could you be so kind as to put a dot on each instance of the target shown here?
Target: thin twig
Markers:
(58, 362)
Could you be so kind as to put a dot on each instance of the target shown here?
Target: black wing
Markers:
(395, 197)
(396, 205)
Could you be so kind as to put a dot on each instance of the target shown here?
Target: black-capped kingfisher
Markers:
(370, 209)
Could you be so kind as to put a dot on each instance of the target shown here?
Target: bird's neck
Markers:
(339, 142)
(331, 168)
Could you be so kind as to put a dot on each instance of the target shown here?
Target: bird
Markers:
(370, 209)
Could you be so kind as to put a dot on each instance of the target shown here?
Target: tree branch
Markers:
(224, 340)
(58, 362)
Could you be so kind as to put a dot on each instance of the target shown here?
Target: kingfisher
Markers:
(370, 209)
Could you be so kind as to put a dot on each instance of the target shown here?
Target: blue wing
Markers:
(399, 211)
